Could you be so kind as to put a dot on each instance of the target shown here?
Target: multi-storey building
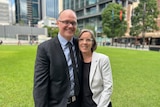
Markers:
(49, 11)
(48, 21)
(4, 12)
(12, 12)
(154, 41)
(89, 11)
(50, 8)
(27, 11)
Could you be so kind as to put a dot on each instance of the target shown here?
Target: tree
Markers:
(113, 22)
(144, 18)
(55, 31)
(77, 32)
(52, 31)
(21, 22)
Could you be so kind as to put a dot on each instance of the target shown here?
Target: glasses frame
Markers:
(87, 40)
(67, 23)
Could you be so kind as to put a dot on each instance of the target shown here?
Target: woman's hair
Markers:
(94, 45)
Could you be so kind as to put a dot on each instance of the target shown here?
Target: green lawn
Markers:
(135, 76)
(16, 75)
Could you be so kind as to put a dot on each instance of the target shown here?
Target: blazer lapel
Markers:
(59, 49)
(60, 53)
(94, 64)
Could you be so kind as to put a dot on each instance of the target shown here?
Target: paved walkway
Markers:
(146, 48)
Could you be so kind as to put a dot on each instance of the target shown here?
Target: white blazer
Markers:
(100, 79)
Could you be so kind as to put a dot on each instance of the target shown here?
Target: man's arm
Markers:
(41, 78)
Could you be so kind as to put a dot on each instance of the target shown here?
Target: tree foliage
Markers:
(52, 31)
(77, 32)
(112, 25)
(144, 17)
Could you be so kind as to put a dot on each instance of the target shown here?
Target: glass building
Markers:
(27, 12)
(89, 11)
(50, 8)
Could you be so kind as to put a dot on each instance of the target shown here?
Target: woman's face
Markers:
(85, 42)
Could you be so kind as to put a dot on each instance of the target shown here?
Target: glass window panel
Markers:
(80, 13)
(23, 8)
(35, 0)
(34, 21)
(91, 10)
(22, 37)
(35, 10)
(90, 2)
(101, 7)
(72, 6)
(81, 3)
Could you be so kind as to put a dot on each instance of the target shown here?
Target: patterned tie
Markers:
(74, 68)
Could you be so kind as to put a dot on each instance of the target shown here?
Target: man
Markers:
(54, 77)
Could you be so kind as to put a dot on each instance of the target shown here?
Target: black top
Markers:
(87, 100)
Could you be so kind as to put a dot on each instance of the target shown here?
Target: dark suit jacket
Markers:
(51, 78)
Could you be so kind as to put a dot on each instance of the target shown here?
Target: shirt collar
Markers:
(63, 41)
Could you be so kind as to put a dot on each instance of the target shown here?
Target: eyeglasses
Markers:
(87, 40)
(68, 23)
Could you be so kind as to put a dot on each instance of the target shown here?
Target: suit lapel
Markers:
(94, 64)
(58, 50)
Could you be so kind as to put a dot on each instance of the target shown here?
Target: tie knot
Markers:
(69, 44)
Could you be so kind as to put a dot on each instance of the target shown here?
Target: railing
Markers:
(154, 47)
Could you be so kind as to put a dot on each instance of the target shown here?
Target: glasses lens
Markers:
(68, 23)
(87, 40)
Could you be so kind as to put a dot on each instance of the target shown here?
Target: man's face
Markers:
(67, 24)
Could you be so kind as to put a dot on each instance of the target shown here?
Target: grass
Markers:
(16, 76)
(135, 76)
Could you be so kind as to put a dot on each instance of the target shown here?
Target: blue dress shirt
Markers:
(65, 48)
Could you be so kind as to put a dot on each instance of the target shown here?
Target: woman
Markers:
(97, 75)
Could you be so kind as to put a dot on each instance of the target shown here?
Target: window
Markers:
(81, 3)
(101, 7)
(35, 0)
(35, 10)
(90, 2)
(80, 13)
(91, 10)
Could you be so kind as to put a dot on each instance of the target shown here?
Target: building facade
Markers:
(50, 8)
(89, 11)
(4, 12)
(27, 12)
(12, 12)
(48, 21)
(13, 34)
